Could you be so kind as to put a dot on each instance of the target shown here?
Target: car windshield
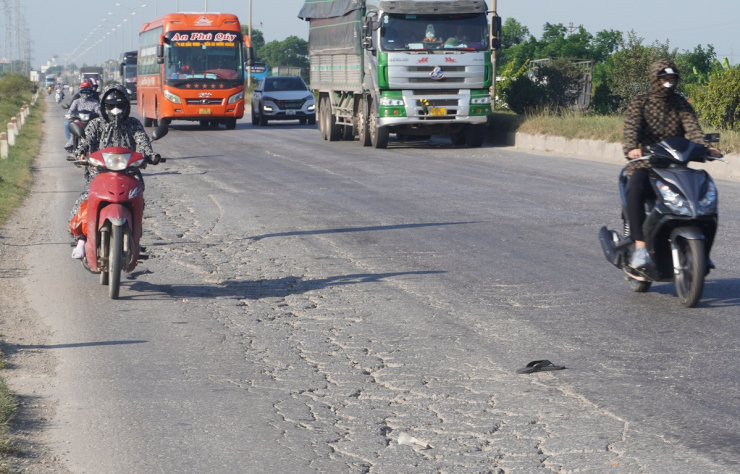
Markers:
(279, 84)
(401, 32)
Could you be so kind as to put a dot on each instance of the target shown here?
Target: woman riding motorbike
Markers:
(114, 128)
(88, 102)
(652, 117)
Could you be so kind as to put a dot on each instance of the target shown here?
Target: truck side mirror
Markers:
(160, 51)
(495, 32)
(367, 34)
(250, 56)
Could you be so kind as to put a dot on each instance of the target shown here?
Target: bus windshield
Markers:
(203, 56)
(401, 32)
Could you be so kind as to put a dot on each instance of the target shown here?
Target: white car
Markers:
(283, 98)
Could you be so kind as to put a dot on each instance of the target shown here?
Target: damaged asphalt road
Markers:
(307, 303)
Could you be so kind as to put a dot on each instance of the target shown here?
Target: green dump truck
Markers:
(409, 67)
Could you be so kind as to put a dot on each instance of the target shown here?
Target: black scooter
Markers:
(681, 221)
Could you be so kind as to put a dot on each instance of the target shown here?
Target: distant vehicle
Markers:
(50, 81)
(191, 66)
(127, 68)
(283, 98)
(91, 72)
(259, 71)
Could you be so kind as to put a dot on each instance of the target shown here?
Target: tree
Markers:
(292, 51)
(513, 33)
(719, 101)
(629, 70)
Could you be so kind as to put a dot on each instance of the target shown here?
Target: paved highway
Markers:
(308, 302)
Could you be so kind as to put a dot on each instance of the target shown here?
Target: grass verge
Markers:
(15, 183)
(574, 125)
(15, 171)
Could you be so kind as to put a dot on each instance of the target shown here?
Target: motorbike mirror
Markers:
(712, 137)
(75, 129)
(160, 131)
(65, 106)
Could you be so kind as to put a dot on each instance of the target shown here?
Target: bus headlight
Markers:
(172, 97)
(236, 97)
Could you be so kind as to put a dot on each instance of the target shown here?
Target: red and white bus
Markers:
(192, 66)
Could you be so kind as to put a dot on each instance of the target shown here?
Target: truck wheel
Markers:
(322, 120)
(458, 139)
(348, 133)
(147, 122)
(378, 135)
(475, 135)
(362, 130)
(334, 131)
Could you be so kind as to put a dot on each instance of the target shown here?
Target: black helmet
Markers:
(115, 97)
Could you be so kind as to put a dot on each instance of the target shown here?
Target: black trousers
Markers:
(638, 190)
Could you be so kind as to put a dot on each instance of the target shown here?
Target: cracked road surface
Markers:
(307, 302)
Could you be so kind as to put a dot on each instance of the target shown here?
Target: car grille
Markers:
(290, 104)
(204, 101)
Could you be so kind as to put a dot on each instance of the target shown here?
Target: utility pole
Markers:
(249, 68)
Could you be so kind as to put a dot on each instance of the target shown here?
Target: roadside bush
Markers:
(14, 85)
(562, 81)
(718, 103)
(524, 95)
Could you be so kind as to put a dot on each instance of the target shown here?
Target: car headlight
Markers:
(269, 99)
(708, 204)
(674, 201)
(481, 100)
(236, 97)
(311, 107)
(267, 108)
(388, 102)
(172, 97)
(308, 97)
(116, 161)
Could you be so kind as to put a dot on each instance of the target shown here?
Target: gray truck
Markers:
(409, 67)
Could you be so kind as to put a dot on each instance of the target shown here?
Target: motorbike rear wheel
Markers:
(115, 258)
(692, 258)
(639, 286)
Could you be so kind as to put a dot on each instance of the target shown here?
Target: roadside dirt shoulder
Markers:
(31, 366)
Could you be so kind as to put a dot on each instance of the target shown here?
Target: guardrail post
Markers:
(3, 145)
(18, 124)
(11, 133)
(22, 117)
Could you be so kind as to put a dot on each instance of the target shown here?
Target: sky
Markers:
(685, 23)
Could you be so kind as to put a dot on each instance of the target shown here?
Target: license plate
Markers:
(437, 111)
(290, 112)
(205, 111)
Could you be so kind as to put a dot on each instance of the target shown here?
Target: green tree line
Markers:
(621, 71)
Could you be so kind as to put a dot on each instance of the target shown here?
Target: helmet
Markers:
(669, 71)
(93, 83)
(115, 105)
(85, 88)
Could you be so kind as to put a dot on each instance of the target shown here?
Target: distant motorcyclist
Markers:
(653, 117)
(85, 101)
(114, 128)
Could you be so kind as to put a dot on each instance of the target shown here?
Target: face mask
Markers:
(669, 85)
(115, 111)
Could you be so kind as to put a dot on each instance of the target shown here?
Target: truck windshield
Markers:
(201, 59)
(130, 74)
(401, 32)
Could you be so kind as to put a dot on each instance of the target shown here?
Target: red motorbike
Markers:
(115, 207)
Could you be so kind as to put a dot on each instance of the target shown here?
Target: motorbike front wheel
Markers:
(692, 259)
(115, 257)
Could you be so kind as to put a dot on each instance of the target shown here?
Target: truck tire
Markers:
(475, 135)
(459, 139)
(362, 127)
(322, 119)
(348, 133)
(378, 135)
(334, 131)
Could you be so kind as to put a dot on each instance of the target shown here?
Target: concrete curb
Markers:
(596, 150)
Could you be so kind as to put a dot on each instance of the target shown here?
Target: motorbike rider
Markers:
(85, 100)
(652, 117)
(114, 127)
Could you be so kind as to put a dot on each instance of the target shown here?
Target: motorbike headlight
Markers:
(236, 97)
(388, 102)
(172, 97)
(673, 200)
(116, 161)
(85, 117)
(708, 204)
